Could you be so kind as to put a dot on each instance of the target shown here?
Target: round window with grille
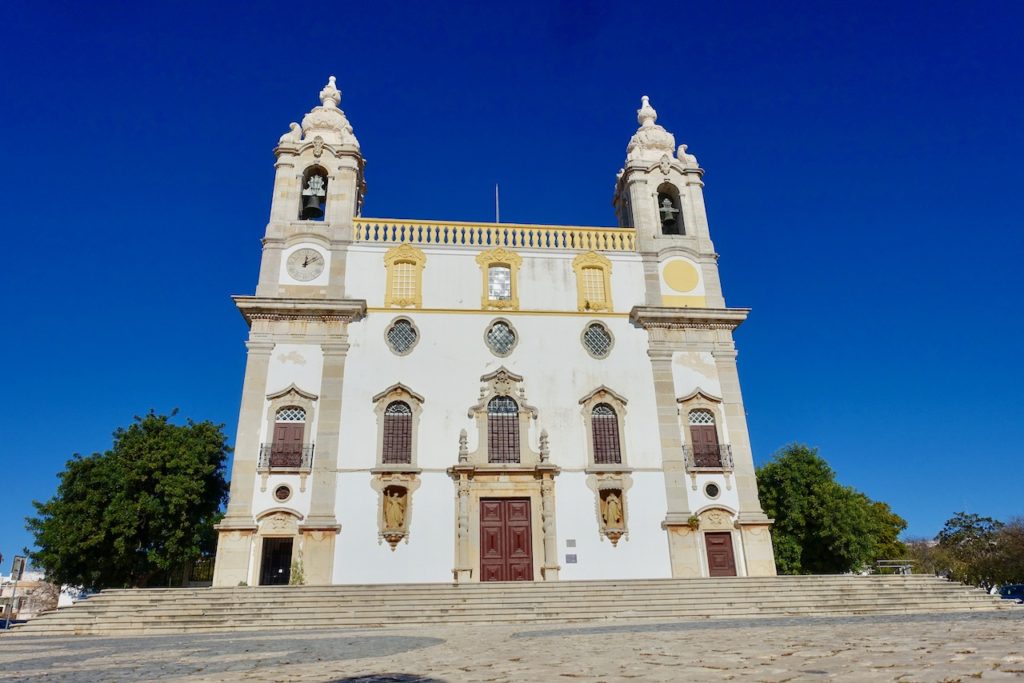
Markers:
(501, 338)
(402, 336)
(282, 493)
(712, 490)
(597, 340)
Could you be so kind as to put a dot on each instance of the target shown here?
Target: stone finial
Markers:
(645, 115)
(330, 96)
(463, 446)
(545, 449)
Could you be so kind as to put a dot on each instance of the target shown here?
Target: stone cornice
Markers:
(687, 318)
(322, 310)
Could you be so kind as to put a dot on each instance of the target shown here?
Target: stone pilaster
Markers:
(321, 525)
(732, 406)
(550, 568)
(463, 571)
(234, 542)
(669, 437)
(270, 267)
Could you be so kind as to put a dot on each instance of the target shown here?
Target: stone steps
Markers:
(179, 610)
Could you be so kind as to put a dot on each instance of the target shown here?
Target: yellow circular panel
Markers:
(681, 276)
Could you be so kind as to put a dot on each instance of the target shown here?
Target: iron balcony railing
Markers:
(708, 457)
(286, 456)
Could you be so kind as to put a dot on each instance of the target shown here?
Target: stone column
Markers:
(234, 542)
(550, 568)
(321, 526)
(752, 522)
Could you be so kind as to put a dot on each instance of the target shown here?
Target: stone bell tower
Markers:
(318, 190)
(299, 317)
(660, 193)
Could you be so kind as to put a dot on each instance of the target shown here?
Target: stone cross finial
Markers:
(645, 115)
(330, 96)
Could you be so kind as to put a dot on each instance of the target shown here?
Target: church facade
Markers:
(436, 401)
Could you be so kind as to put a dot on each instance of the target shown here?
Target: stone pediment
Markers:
(699, 394)
(292, 389)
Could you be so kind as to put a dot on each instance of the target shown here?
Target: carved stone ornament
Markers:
(665, 164)
(394, 509)
(327, 120)
(318, 146)
(651, 141)
(293, 136)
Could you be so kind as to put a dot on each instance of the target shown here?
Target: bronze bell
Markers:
(311, 208)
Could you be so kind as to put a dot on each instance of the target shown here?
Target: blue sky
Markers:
(863, 187)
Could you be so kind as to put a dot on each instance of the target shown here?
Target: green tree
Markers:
(822, 527)
(971, 545)
(138, 512)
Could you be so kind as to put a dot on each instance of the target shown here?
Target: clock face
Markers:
(305, 264)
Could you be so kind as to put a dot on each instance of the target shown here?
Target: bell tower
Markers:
(660, 192)
(318, 191)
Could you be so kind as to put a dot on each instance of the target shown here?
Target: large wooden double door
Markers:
(506, 534)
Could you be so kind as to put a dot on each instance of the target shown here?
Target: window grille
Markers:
(401, 336)
(597, 340)
(702, 417)
(403, 282)
(593, 286)
(605, 425)
(502, 430)
(501, 338)
(291, 414)
(499, 283)
(397, 434)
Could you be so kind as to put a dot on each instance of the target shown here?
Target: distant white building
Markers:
(436, 400)
(28, 598)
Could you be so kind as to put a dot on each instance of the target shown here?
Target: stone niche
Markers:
(394, 505)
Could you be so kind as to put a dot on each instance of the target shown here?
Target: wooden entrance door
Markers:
(721, 561)
(505, 540)
(276, 567)
(286, 450)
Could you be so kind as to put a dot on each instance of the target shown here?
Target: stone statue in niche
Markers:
(612, 515)
(394, 508)
(612, 511)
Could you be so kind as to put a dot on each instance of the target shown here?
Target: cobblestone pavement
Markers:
(952, 647)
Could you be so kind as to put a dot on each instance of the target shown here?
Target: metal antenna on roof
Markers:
(497, 206)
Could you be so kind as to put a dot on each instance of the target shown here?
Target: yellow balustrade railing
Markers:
(488, 235)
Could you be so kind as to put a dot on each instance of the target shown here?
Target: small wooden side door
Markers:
(721, 561)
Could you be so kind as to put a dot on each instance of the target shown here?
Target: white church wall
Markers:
(453, 279)
(264, 500)
(728, 496)
(643, 555)
(692, 370)
(428, 556)
(451, 356)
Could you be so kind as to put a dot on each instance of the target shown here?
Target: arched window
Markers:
(314, 194)
(704, 438)
(605, 425)
(502, 430)
(289, 432)
(397, 433)
(670, 210)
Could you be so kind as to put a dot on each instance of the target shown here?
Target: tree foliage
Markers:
(138, 512)
(822, 527)
(974, 549)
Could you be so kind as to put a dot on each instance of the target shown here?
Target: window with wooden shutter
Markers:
(502, 430)
(704, 437)
(605, 428)
(397, 433)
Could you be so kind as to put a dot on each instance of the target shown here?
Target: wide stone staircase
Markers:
(276, 608)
